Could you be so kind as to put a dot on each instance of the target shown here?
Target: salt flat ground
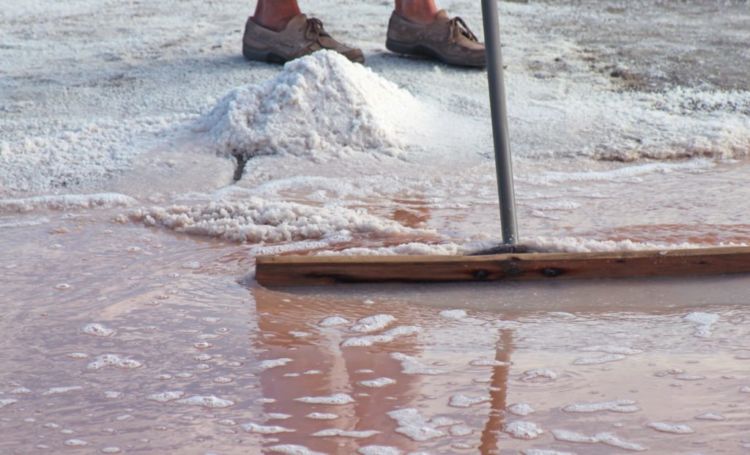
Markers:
(130, 318)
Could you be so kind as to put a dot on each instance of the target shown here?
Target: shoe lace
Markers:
(458, 24)
(314, 29)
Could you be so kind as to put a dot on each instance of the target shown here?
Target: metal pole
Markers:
(503, 162)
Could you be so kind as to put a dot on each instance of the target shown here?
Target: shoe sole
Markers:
(425, 51)
(263, 56)
(272, 57)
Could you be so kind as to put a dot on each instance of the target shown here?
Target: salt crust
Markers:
(333, 321)
(57, 390)
(66, 202)
(545, 452)
(319, 105)
(703, 323)
(273, 363)
(7, 402)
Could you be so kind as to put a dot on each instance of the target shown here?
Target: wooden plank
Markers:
(325, 270)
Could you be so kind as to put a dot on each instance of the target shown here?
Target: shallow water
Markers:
(197, 326)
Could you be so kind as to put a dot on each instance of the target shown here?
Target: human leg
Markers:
(275, 14)
(420, 11)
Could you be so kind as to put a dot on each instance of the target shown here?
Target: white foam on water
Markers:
(373, 323)
(414, 426)
(293, 449)
(322, 416)
(598, 360)
(377, 382)
(412, 365)
(265, 429)
(255, 220)
(333, 321)
(165, 397)
(667, 427)
(622, 406)
(209, 401)
(385, 337)
(379, 450)
(59, 390)
(66, 202)
(336, 399)
(460, 400)
(703, 323)
(520, 429)
(273, 363)
(337, 432)
(113, 360)
(98, 330)
(321, 105)
(521, 409)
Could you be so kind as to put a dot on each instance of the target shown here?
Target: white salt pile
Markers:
(318, 105)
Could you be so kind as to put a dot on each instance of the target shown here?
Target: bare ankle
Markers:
(419, 11)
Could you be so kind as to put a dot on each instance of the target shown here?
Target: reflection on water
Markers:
(116, 341)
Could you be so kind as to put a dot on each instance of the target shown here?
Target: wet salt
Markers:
(539, 374)
(465, 401)
(335, 399)
(98, 330)
(453, 314)
(488, 363)
(379, 450)
(111, 450)
(623, 406)
(293, 449)
(322, 416)
(598, 360)
(333, 321)
(674, 428)
(273, 363)
(265, 429)
(411, 365)
(76, 443)
(385, 337)
(165, 397)
(377, 382)
(373, 323)
(414, 426)
(545, 452)
(521, 409)
(113, 360)
(58, 390)
(523, 430)
(278, 416)
(711, 416)
(336, 432)
(703, 323)
(209, 401)
(7, 402)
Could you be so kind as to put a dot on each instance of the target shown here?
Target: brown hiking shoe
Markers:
(302, 36)
(448, 40)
